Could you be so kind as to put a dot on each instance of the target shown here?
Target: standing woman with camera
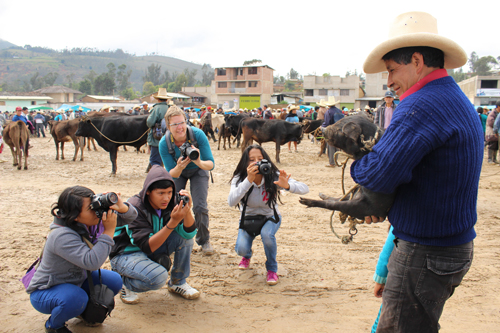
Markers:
(187, 155)
(255, 187)
(59, 286)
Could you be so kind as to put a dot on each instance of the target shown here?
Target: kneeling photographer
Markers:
(255, 188)
(142, 250)
(186, 154)
(59, 286)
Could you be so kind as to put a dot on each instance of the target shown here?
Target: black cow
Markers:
(266, 130)
(130, 131)
(309, 126)
(232, 123)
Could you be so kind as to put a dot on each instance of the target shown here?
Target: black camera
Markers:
(264, 167)
(183, 198)
(100, 203)
(188, 151)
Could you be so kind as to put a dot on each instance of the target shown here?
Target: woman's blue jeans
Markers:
(66, 301)
(244, 242)
(140, 273)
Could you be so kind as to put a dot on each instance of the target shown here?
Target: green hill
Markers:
(18, 65)
(5, 44)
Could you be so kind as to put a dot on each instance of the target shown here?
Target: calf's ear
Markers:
(352, 131)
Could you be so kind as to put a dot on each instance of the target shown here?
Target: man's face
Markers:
(160, 198)
(388, 100)
(401, 77)
(19, 112)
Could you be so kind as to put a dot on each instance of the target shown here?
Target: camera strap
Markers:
(170, 141)
(89, 273)
(245, 200)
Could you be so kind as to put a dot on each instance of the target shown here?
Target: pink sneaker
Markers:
(272, 278)
(244, 263)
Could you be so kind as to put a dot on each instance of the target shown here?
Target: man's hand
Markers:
(378, 290)
(374, 219)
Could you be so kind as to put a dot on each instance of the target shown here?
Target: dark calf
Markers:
(355, 135)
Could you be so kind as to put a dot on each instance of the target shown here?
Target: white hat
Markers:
(321, 103)
(162, 94)
(293, 107)
(331, 101)
(415, 29)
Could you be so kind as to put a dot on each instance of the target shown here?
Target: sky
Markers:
(312, 37)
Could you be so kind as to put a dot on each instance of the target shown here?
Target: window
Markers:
(239, 85)
(384, 87)
(222, 85)
(221, 71)
(385, 75)
(33, 102)
(309, 92)
(252, 84)
(489, 84)
(323, 92)
(252, 70)
(240, 71)
(344, 92)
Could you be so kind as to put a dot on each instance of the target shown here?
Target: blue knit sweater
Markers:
(431, 156)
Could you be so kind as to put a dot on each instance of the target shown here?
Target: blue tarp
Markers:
(64, 107)
(76, 107)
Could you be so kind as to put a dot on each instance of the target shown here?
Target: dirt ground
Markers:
(325, 286)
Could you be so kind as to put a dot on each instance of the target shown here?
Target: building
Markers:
(10, 100)
(346, 89)
(482, 90)
(59, 94)
(101, 99)
(374, 91)
(243, 87)
(199, 95)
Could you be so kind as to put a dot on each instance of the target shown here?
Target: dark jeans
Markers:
(421, 278)
(39, 127)
(154, 157)
(198, 180)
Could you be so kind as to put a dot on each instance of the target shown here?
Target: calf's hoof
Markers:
(18, 167)
(26, 167)
(308, 202)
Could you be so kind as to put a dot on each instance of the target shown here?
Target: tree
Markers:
(326, 74)
(104, 84)
(148, 88)
(190, 76)
(293, 74)
(123, 77)
(207, 74)
(35, 82)
(180, 81)
(152, 74)
(289, 85)
(483, 65)
(85, 86)
(251, 62)
(129, 93)
(111, 70)
(458, 75)
(50, 78)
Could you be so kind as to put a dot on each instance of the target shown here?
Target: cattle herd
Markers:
(112, 130)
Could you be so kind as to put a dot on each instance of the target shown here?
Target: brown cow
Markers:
(224, 133)
(64, 131)
(16, 134)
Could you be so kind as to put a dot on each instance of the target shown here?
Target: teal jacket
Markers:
(157, 114)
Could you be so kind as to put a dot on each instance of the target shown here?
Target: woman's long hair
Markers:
(269, 179)
(70, 203)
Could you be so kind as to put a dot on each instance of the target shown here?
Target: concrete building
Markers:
(243, 87)
(482, 90)
(346, 89)
(10, 100)
(200, 95)
(59, 94)
(375, 89)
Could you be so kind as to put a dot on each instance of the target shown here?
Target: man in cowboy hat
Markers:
(154, 122)
(332, 115)
(384, 113)
(145, 108)
(430, 156)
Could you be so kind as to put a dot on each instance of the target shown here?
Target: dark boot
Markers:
(148, 168)
(490, 156)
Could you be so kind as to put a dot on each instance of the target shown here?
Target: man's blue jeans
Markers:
(66, 301)
(244, 242)
(140, 273)
(421, 279)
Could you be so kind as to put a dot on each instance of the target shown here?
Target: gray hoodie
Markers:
(66, 256)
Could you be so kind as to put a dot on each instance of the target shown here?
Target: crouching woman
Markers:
(142, 250)
(260, 192)
(59, 286)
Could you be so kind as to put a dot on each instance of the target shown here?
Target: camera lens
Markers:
(193, 155)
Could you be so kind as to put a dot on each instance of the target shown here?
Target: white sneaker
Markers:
(185, 290)
(128, 296)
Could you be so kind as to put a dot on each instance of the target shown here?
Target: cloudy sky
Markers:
(310, 36)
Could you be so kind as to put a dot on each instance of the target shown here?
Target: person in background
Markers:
(39, 119)
(491, 136)
(332, 115)
(155, 118)
(384, 113)
(292, 117)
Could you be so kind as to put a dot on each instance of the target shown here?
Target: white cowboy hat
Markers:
(331, 101)
(415, 29)
(321, 103)
(105, 107)
(367, 107)
(161, 94)
(293, 107)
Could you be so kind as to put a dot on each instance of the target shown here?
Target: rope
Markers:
(121, 143)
